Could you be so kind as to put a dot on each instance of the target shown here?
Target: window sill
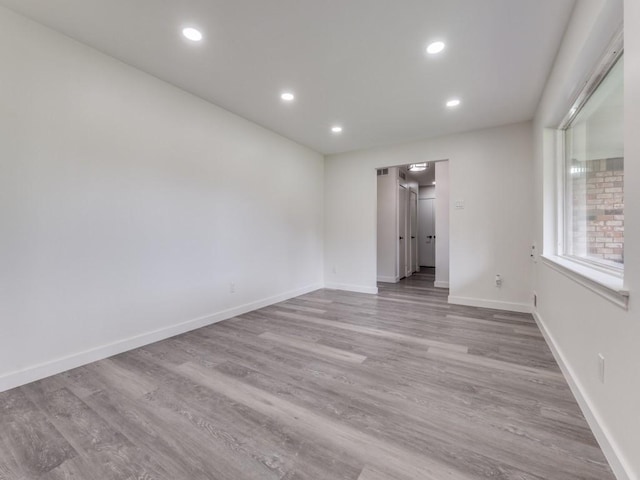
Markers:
(604, 284)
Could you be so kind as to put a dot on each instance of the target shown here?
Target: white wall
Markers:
(350, 226)
(427, 192)
(128, 206)
(490, 169)
(579, 323)
(442, 212)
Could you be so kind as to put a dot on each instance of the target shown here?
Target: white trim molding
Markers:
(62, 364)
(611, 451)
(382, 278)
(495, 304)
(440, 284)
(607, 286)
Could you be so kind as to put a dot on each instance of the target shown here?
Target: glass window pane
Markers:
(594, 173)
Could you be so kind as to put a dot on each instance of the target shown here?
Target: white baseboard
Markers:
(352, 288)
(619, 466)
(382, 278)
(495, 304)
(58, 365)
(440, 284)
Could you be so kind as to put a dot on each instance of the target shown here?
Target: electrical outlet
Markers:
(498, 280)
(232, 287)
(601, 367)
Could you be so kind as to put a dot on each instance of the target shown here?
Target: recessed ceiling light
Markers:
(192, 34)
(288, 96)
(418, 167)
(454, 102)
(336, 129)
(435, 47)
(433, 183)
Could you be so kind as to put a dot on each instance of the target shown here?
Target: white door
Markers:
(414, 265)
(427, 233)
(402, 231)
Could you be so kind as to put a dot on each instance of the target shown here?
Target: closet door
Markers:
(427, 233)
(414, 266)
(403, 200)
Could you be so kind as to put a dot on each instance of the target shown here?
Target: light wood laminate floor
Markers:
(330, 385)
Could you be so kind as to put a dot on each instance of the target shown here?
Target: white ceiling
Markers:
(359, 63)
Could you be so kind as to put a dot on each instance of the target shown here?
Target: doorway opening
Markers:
(413, 222)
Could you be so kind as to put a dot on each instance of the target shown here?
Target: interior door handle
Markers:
(401, 238)
(412, 237)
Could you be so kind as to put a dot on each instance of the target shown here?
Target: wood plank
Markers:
(315, 348)
(346, 438)
(31, 441)
(398, 337)
(331, 385)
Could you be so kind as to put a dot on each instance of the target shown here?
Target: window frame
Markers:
(607, 282)
(612, 55)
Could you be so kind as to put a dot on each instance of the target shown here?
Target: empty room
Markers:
(319, 240)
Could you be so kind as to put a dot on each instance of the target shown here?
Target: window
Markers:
(593, 187)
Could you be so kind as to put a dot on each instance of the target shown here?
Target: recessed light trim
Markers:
(454, 102)
(336, 129)
(418, 167)
(192, 34)
(288, 97)
(435, 47)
